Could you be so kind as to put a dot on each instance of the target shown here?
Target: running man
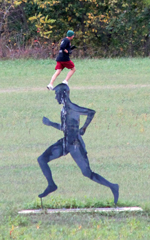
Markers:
(63, 60)
(72, 142)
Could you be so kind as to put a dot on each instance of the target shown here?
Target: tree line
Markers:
(103, 28)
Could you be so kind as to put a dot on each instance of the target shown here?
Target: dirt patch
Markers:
(130, 86)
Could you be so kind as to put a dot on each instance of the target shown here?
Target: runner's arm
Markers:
(73, 47)
(64, 45)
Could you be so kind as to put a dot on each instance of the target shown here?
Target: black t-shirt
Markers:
(63, 56)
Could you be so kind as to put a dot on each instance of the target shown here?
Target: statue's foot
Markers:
(48, 190)
(115, 191)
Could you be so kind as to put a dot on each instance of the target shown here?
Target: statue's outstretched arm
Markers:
(47, 122)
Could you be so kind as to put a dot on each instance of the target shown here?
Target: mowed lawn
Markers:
(117, 142)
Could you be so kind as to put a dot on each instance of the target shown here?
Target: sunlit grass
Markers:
(117, 142)
(81, 226)
(95, 72)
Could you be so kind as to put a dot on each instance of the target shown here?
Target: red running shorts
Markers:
(62, 65)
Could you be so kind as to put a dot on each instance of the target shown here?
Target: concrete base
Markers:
(75, 210)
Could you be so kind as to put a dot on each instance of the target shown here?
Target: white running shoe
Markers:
(49, 87)
(65, 82)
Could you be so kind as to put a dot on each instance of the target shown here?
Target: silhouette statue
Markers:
(72, 142)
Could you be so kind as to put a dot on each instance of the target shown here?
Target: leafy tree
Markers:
(109, 27)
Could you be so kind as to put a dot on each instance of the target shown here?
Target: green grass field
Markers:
(117, 141)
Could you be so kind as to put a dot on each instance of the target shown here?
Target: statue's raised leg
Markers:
(80, 156)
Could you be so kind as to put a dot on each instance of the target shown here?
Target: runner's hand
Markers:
(65, 50)
(73, 47)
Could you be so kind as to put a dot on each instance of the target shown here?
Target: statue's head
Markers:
(62, 93)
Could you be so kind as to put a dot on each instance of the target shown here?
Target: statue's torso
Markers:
(70, 121)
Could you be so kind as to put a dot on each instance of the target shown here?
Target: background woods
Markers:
(108, 28)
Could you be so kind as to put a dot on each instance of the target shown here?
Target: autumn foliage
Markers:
(105, 28)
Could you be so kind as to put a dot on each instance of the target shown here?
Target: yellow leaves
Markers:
(90, 16)
(39, 15)
(17, 3)
(55, 2)
(51, 3)
(94, 30)
(38, 26)
(46, 19)
(50, 27)
(41, 20)
(52, 20)
(69, 19)
(36, 17)
(46, 33)
(105, 21)
(42, 5)
(43, 24)
(33, 18)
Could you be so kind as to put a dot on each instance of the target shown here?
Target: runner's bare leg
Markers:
(56, 74)
(70, 73)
